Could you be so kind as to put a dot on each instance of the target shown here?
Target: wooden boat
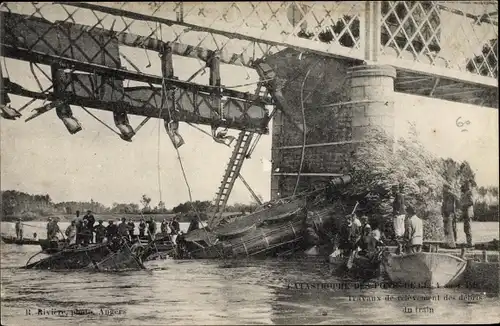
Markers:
(51, 247)
(24, 241)
(72, 257)
(424, 269)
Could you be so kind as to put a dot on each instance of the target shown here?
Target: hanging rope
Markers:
(104, 123)
(304, 131)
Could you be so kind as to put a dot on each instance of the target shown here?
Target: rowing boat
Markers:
(424, 269)
(23, 241)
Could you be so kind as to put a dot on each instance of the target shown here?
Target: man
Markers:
(448, 210)
(123, 229)
(398, 213)
(414, 231)
(142, 228)
(194, 224)
(111, 231)
(79, 228)
(100, 232)
(367, 243)
(174, 226)
(55, 229)
(164, 226)
(86, 233)
(19, 229)
(151, 228)
(71, 233)
(49, 229)
(90, 223)
(467, 205)
(131, 228)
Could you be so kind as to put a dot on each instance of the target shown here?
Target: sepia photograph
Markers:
(235, 163)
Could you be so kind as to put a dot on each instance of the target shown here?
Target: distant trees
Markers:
(19, 203)
(145, 201)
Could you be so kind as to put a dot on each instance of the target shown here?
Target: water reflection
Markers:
(218, 292)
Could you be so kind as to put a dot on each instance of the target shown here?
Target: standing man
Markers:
(79, 228)
(414, 231)
(71, 233)
(151, 228)
(131, 228)
(111, 231)
(90, 223)
(19, 229)
(142, 228)
(123, 229)
(100, 232)
(467, 204)
(448, 210)
(398, 213)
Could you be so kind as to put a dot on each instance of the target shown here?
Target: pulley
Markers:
(172, 128)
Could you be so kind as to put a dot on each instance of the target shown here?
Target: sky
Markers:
(40, 156)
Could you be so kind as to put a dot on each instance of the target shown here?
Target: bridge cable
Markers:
(104, 123)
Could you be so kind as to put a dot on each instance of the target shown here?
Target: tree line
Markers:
(30, 206)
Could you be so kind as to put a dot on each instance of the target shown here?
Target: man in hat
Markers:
(151, 228)
(49, 229)
(142, 228)
(164, 226)
(89, 217)
(111, 230)
(123, 229)
(19, 229)
(414, 231)
(100, 232)
(131, 228)
(448, 210)
(467, 206)
(398, 213)
(71, 233)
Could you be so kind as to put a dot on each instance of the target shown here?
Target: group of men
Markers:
(408, 227)
(82, 230)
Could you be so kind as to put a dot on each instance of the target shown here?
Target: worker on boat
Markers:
(100, 232)
(35, 236)
(151, 228)
(123, 229)
(398, 212)
(194, 224)
(467, 206)
(142, 228)
(79, 228)
(164, 226)
(49, 229)
(414, 231)
(90, 223)
(449, 213)
(367, 243)
(111, 231)
(19, 229)
(174, 229)
(86, 233)
(55, 230)
(376, 234)
(131, 228)
(71, 233)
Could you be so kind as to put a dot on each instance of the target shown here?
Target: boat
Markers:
(51, 247)
(424, 269)
(123, 259)
(24, 241)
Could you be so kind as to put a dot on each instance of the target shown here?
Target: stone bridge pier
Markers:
(342, 102)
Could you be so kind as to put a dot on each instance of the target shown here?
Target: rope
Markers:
(250, 84)
(303, 131)
(104, 123)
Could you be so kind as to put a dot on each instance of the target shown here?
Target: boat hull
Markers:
(424, 269)
(24, 241)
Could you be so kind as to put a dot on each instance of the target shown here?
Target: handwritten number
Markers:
(461, 124)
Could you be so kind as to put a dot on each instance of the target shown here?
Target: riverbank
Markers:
(114, 217)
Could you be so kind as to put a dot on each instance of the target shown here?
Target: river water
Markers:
(225, 292)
